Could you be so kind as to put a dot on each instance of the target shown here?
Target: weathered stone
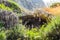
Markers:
(9, 19)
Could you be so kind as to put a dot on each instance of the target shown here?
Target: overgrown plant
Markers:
(10, 6)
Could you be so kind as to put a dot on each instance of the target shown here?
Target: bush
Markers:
(36, 19)
(50, 31)
(10, 5)
(55, 5)
(2, 35)
(44, 33)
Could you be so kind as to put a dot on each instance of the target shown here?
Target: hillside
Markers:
(54, 11)
(20, 22)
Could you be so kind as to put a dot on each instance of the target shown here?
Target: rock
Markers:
(9, 19)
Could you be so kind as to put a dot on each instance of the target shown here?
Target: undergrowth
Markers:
(22, 33)
(10, 6)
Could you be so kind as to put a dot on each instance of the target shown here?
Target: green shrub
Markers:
(55, 30)
(43, 33)
(16, 33)
(1, 24)
(49, 32)
(10, 6)
(38, 34)
(2, 35)
(2, 6)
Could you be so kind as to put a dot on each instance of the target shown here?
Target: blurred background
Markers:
(32, 4)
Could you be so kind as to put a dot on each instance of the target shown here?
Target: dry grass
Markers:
(54, 11)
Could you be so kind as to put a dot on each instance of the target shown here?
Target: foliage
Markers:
(1, 24)
(10, 6)
(13, 5)
(51, 31)
(2, 6)
(55, 5)
(2, 35)
(36, 19)
(21, 33)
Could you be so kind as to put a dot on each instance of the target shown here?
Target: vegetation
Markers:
(10, 6)
(36, 19)
(55, 5)
(44, 33)
(49, 31)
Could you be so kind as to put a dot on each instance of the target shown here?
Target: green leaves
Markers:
(1, 24)
(2, 6)
(2, 35)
